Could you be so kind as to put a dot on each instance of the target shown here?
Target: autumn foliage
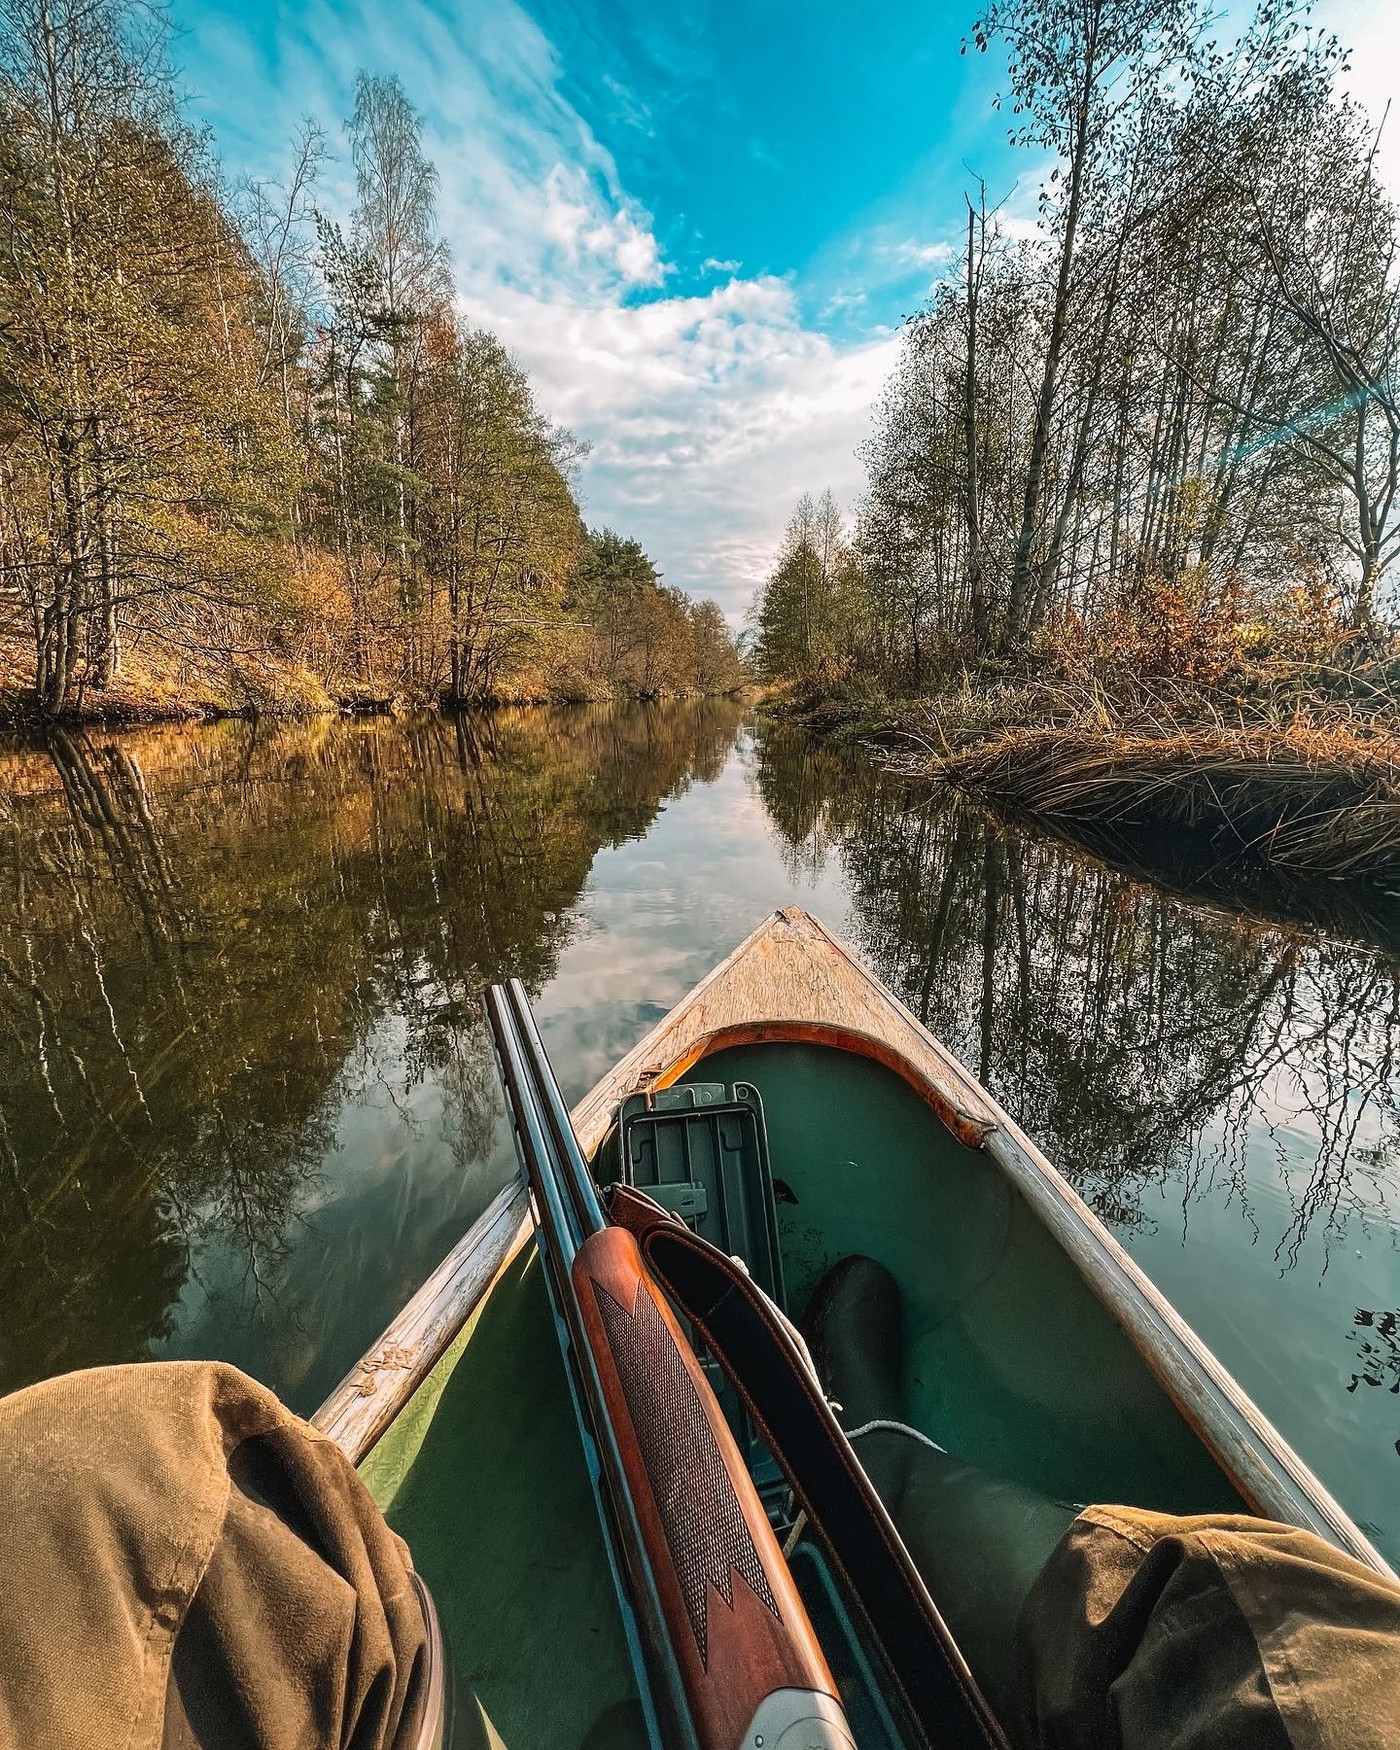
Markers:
(251, 457)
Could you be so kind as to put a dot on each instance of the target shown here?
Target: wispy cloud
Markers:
(707, 414)
(1368, 29)
(600, 242)
(627, 106)
(925, 256)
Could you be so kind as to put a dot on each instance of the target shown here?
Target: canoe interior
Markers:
(483, 1475)
(1011, 1362)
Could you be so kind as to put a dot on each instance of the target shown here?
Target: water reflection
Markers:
(1365, 912)
(1139, 1037)
(239, 993)
(1377, 1352)
(1224, 1093)
(246, 1101)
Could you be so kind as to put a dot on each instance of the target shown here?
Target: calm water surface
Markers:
(247, 1100)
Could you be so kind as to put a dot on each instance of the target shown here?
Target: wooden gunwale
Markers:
(363, 1406)
(793, 981)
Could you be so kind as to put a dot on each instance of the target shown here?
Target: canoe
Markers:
(1034, 1346)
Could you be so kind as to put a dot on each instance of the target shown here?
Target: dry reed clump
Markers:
(1312, 801)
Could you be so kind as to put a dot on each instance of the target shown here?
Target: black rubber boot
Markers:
(977, 1540)
(855, 1326)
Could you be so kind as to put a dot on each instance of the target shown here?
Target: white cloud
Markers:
(707, 415)
(842, 303)
(616, 245)
(911, 253)
(1368, 29)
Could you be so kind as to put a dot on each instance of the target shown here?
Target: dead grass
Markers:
(1285, 759)
(1312, 800)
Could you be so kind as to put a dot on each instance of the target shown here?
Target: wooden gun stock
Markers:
(753, 1344)
(738, 1628)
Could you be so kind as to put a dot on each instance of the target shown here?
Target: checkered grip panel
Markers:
(705, 1528)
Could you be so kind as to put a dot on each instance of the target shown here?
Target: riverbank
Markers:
(164, 688)
(1292, 771)
(1310, 803)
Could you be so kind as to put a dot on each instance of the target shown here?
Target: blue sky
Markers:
(821, 142)
(698, 227)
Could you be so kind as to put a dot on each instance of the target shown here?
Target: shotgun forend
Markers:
(731, 1660)
(739, 1630)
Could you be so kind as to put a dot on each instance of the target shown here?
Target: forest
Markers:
(251, 457)
(1131, 492)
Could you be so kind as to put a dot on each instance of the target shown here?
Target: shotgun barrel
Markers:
(726, 1654)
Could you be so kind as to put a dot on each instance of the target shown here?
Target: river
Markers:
(247, 1098)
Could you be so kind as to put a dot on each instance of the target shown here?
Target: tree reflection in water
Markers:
(1222, 1091)
(1377, 1351)
(247, 1104)
(1138, 1036)
(215, 945)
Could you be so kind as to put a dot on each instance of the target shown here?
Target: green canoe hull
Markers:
(1034, 1347)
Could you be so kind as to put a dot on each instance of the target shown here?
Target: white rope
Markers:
(799, 1342)
(882, 1425)
(879, 1425)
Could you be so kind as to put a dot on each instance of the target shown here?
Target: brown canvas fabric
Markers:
(1214, 1633)
(186, 1562)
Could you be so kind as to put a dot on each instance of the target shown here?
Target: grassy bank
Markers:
(1311, 803)
(157, 686)
(1292, 770)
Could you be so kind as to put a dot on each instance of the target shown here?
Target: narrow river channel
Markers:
(248, 1101)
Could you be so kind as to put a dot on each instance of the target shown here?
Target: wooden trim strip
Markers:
(968, 1130)
(366, 1401)
(1273, 1479)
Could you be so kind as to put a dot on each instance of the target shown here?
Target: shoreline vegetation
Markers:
(1291, 800)
(1297, 779)
(1124, 559)
(262, 685)
(253, 458)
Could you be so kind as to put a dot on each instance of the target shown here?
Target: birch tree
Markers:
(1079, 72)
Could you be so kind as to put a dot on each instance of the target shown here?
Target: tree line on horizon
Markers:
(1160, 425)
(242, 437)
